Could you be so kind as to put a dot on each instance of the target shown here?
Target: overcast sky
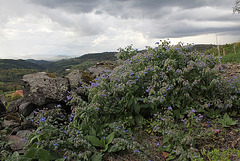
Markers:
(42, 29)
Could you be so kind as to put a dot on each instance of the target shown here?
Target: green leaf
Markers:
(92, 132)
(94, 140)
(110, 137)
(35, 137)
(60, 159)
(54, 154)
(32, 153)
(102, 142)
(105, 148)
(226, 121)
(137, 109)
(165, 140)
(139, 119)
(44, 155)
(97, 157)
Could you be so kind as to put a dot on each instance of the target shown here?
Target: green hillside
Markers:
(19, 64)
(230, 52)
(81, 63)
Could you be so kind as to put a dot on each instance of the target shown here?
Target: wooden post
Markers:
(224, 52)
(217, 45)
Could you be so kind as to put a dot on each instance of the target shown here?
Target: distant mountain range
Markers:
(39, 62)
(81, 63)
(56, 67)
(19, 64)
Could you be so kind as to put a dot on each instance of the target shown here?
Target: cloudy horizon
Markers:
(42, 29)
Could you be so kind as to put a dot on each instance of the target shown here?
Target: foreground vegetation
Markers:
(168, 103)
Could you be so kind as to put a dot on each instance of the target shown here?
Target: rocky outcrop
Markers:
(40, 89)
(42, 92)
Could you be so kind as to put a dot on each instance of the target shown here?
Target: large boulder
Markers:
(40, 89)
(3, 104)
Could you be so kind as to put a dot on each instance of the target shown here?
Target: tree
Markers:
(237, 7)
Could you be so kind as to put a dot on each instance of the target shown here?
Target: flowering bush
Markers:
(148, 82)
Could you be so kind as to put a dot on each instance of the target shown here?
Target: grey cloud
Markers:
(127, 8)
(72, 6)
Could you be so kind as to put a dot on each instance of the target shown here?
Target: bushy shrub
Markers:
(148, 82)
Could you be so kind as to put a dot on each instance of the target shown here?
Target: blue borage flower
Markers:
(55, 144)
(43, 119)
(69, 97)
(25, 139)
(136, 151)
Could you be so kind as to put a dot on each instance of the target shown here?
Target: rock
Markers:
(28, 124)
(40, 89)
(18, 142)
(10, 123)
(3, 104)
(23, 133)
(26, 108)
(14, 105)
(3, 100)
(12, 120)
(52, 105)
(75, 78)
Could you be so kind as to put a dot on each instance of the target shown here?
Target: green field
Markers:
(230, 53)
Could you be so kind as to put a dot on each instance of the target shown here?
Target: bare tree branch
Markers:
(236, 8)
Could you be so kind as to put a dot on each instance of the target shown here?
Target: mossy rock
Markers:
(87, 78)
(51, 75)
